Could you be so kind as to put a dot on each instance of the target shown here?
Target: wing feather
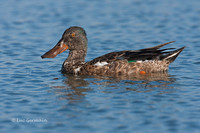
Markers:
(130, 55)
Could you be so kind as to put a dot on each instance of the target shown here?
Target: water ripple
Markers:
(34, 89)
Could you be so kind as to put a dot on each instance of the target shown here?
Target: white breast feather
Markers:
(77, 70)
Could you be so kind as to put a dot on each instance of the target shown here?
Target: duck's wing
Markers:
(153, 53)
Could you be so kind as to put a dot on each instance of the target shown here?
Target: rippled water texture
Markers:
(36, 97)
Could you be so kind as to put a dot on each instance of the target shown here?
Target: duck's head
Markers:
(73, 38)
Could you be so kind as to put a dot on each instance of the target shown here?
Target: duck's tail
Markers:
(171, 56)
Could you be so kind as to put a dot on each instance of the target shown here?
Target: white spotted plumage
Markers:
(101, 63)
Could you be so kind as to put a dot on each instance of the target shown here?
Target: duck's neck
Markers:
(76, 57)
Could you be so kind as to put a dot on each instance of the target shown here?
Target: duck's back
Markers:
(131, 62)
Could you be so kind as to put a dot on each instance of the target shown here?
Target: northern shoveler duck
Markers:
(141, 61)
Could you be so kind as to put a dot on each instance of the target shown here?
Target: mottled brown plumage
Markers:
(128, 62)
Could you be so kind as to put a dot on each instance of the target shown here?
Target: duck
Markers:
(127, 62)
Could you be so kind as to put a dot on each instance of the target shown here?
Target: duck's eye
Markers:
(73, 34)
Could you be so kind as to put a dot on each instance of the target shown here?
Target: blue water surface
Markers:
(35, 97)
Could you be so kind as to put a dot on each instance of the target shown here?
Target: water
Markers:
(36, 97)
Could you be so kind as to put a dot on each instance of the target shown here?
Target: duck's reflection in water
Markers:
(76, 87)
(139, 83)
